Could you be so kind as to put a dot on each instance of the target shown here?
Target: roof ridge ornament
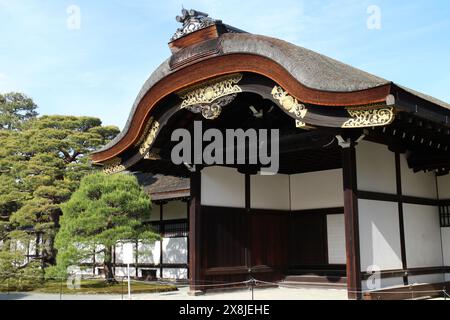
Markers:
(192, 20)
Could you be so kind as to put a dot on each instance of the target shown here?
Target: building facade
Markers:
(362, 193)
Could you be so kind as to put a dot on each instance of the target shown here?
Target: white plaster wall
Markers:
(426, 278)
(418, 184)
(379, 235)
(444, 186)
(422, 236)
(222, 187)
(175, 250)
(99, 257)
(175, 210)
(269, 192)
(446, 245)
(32, 245)
(315, 190)
(148, 252)
(175, 273)
(119, 252)
(375, 166)
(336, 239)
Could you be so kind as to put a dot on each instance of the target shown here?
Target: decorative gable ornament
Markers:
(192, 20)
(210, 97)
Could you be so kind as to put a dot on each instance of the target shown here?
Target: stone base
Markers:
(196, 293)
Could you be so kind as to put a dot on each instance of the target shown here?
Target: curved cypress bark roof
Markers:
(310, 69)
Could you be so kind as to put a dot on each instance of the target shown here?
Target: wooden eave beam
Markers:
(227, 64)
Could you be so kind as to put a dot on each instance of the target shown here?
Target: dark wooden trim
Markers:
(94, 262)
(188, 205)
(326, 253)
(227, 64)
(334, 267)
(269, 211)
(324, 211)
(237, 270)
(351, 222)
(136, 258)
(195, 246)
(161, 230)
(379, 196)
(140, 265)
(218, 209)
(398, 175)
(386, 274)
(247, 192)
(420, 201)
(157, 222)
(247, 239)
(193, 38)
(226, 270)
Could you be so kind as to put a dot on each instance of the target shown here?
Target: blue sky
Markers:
(98, 70)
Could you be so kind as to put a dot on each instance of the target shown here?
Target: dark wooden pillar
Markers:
(136, 260)
(188, 205)
(400, 216)
(161, 231)
(94, 261)
(195, 234)
(114, 259)
(351, 221)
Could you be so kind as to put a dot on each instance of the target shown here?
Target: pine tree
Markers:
(15, 109)
(104, 210)
(42, 160)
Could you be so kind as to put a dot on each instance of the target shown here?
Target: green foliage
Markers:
(104, 210)
(42, 160)
(15, 109)
(16, 275)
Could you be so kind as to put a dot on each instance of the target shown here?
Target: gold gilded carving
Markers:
(210, 91)
(369, 118)
(289, 103)
(150, 138)
(144, 134)
(113, 166)
(152, 155)
(300, 124)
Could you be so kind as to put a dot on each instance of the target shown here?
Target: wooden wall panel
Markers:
(225, 234)
(307, 240)
(268, 241)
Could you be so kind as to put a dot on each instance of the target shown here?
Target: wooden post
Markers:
(188, 205)
(195, 235)
(351, 222)
(401, 217)
(161, 231)
(136, 260)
